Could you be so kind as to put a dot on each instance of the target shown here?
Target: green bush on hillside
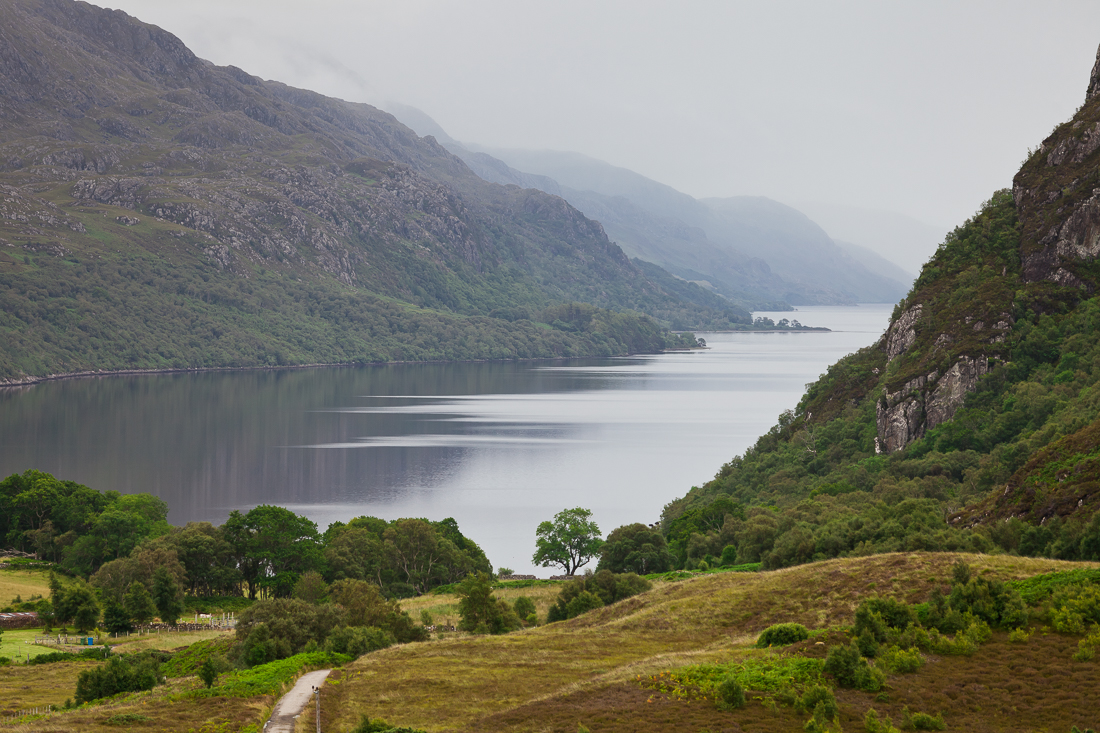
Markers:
(851, 670)
(730, 694)
(118, 675)
(590, 591)
(782, 635)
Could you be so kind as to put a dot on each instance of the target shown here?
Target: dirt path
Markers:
(290, 706)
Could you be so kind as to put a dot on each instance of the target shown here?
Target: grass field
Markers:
(13, 644)
(583, 671)
(166, 641)
(23, 583)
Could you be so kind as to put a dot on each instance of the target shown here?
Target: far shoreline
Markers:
(92, 373)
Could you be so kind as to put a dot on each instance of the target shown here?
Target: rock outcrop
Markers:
(1058, 200)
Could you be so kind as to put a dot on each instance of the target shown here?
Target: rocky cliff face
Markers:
(1057, 194)
(939, 343)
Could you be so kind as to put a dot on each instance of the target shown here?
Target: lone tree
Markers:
(570, 541)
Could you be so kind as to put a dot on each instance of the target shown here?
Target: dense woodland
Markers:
(113, 540)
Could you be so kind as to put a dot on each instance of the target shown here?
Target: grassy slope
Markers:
(23, 583)
(583, 671)
(195, 217)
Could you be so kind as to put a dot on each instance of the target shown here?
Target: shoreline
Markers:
(91, 373)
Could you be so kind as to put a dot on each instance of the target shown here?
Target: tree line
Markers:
(114, 543)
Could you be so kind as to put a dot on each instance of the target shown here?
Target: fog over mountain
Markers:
(920, 109)
(902, 239)
(755, 251)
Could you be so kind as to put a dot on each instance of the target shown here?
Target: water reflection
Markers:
(500, 447)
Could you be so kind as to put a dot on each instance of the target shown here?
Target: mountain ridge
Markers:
(123, 156)
(759, 254)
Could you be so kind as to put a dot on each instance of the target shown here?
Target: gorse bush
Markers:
(782, 635)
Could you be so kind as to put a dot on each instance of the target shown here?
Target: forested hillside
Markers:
(972, 424)
(159, 211)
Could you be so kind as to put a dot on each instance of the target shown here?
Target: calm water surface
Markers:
(499, 447)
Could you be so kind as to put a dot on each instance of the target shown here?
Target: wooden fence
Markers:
(18, 715)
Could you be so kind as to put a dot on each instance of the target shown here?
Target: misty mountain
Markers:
(751, 250)
(899, 238)
(875, 262)
(162, 211)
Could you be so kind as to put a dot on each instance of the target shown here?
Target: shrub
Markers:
(355, 641)
(1067, 621)
(872, 723)
(279, 628)
(870, 679)
(819, 698)
(867, 644)
(992, 601)
(524, 607)
(93, 653)
(878, 614)
(114, 677)
(1074, 607)
(583, 603)
(851, 670)
(1086, 648)
(921, 721)
(842, 662)
(481, 611)
(901, 661)
(782, 635)
(208, 673)
(606, 586)
(730, 694)
(1018, 636)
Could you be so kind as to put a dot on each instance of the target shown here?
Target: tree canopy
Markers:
(569, 541)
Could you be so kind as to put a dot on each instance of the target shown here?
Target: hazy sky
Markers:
(924, 108)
